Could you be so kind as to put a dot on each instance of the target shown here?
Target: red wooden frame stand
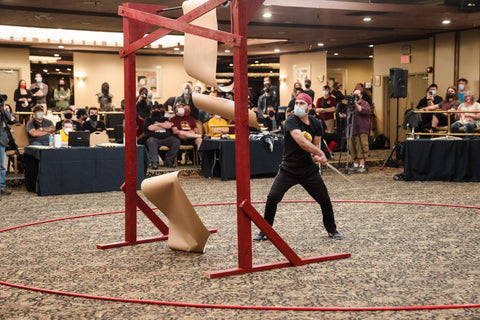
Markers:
(137, 20)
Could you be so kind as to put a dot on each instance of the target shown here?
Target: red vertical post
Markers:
(130, 138)
(239, 19)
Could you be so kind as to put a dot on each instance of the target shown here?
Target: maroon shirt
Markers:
(184, 123)
(325, 104)
(361, 119)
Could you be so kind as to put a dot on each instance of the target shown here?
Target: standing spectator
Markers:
(308, 90)
(366, 96)
(39, 129)
(337, 91)
(158, 132)
(39, 91)
(5, 118)
(268, 98)
(462, 88)
(144, 106)
(325, 109)
(93, 124)
(273, 89)
(105, 98)
(187, 98)
(23, 98)
(297, 86)
(61, 96)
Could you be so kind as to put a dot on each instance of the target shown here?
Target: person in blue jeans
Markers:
(469, 120)
(299, 166)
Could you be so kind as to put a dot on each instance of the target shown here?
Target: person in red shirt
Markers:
(325, 108)
(186, 125)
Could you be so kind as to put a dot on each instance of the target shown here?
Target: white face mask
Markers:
(217, 116)
(325, 92)
(68, 130)
(299, 111)
(40, 115)
(461, 87)
(180, 111)
(434, 92)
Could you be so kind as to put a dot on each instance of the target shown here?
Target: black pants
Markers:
(314, 185)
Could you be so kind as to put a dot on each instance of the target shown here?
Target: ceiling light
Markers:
(320, 44)
(56, 55)
(370, 45)
(69, 69)
(57, 69)
(227, 51)
(45, 70)
(256, 61)
(276, 50)
(367, 19)
(267, 15)
(61, 47)
(370, 56)
(335, 54)
(231, 64)
(446, 22)
(176, 49)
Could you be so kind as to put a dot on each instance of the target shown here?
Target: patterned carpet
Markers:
(402, 255)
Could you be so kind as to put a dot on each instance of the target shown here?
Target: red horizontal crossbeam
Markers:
(177, 25)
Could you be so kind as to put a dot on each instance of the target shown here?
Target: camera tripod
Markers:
(350, 122)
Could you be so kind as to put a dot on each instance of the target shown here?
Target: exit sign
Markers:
(405, 59)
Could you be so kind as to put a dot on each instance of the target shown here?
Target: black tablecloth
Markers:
(442, 160)
(79, 169)
(262, 161)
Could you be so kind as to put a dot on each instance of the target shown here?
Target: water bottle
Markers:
(51, 141)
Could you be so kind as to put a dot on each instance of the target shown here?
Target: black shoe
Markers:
(169, 165)
(260, 237)
(6, 192)
(154, 166)
(336, 235)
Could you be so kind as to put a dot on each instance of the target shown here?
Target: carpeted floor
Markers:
(401, 255)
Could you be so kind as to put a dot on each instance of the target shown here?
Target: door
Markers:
(9, 79)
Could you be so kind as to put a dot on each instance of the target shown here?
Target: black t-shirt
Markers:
(296, 160)
(159, 134)
(87, 125)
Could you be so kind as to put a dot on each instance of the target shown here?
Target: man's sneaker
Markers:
(260, 237)
(336, 235)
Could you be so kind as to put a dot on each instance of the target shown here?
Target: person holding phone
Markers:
(429, 102)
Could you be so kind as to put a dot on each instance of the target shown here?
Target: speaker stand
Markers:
(397, 143)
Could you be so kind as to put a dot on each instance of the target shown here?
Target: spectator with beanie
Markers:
(299, 166)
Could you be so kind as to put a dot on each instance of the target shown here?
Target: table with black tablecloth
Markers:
(442, 160)
(79, 169)
(219, 156)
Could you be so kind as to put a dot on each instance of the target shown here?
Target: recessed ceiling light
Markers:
(69, 69)
(57, 69)
(176, 48)
(56, 55)
(335, 54)
(367, 19)
(370, 56)
(45, 70)
(320, 44)
(267, 15)
(256, 61)
(370, 45)
(446, 22)
(227, 51)
(231, 64)
(277, 50)
(61, 47)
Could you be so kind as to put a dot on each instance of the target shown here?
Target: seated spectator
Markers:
(68, 115)
(451, 102)
(271, 120)
(39, 129)
(468, 120)
(325, 109)
(81, 115)
(186, 126)
(217, 120)
(158, 132)
(9, 110)
(428, 103)
(144, 105)
(462, 88)
(140, 123)
(93, 124)
(67, 127)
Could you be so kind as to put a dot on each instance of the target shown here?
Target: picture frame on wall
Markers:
(150, 79)
(302, 72)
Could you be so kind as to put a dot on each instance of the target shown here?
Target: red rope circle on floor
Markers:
(219, 306)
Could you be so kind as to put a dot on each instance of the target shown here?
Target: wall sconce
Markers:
(321, 78)
(282, 78)
(80, 77)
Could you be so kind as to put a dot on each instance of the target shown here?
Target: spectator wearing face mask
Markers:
(462, 88)
(61, 96)
(271, 120)
(93, 124)
(67, 127)
(39, 91)
(68, 115)
(23, 99)
(144, 105)
(186, 96)
(426, 103)
(39, 129)
(325, 108)
(186, 125)
(308, 89)
(105, 98)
